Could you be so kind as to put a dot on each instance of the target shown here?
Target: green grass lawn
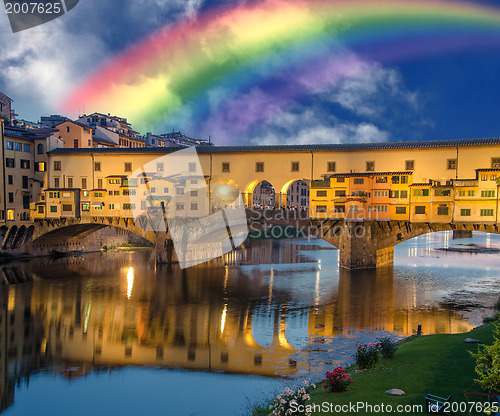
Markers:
(437, 364)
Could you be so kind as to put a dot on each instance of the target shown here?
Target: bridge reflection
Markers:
(117, 309)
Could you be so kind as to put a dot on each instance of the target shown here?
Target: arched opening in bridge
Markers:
(9, 238)
(19, 237)
(3, 232)
(224, 193)
(295, 194)
(260, 194)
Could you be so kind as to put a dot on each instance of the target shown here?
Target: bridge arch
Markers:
(250, 194)
(295, 193)
(224, 192)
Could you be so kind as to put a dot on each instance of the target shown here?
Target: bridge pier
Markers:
(358, 248)
(164, 249)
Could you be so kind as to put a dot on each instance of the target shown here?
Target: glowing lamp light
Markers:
(223, 320)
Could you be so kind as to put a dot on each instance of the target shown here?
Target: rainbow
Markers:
(212, 60)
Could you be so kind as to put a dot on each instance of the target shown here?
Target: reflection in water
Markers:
(108, 310)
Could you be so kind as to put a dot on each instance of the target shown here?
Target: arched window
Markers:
(40, 149)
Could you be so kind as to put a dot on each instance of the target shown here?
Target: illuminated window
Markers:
(10, 214)
(381, 179)
(86, 206)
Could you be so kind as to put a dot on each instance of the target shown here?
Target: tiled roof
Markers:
(85, 126)
(421, 184)
(488, 170)
(365, 174)
(305, 148)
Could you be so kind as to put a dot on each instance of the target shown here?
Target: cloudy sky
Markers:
(447, 94)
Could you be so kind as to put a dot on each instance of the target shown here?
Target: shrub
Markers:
(488, 363)
(366, 355)
(387, 347)
(290, 401)
(337, 380)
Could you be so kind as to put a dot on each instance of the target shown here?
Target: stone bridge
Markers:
(362, 244)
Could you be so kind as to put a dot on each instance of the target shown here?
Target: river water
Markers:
(108, 333)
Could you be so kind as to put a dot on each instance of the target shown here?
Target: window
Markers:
(259, 167)
(99, 183)
(339, 208)
(404, 179)
(67, 129)
(10, 163)
(395, 179)
(111, 206)
(420, 210)
(18, 146)
(25, 164)
(159, 167)
(495, 162)
(10, 214)
(400, 210)
(53, 194)
(179, 207)
(442, 192)
(97, 166)
(10, 145)
(484, 177)
(194, 193)
(380, 194)
(465, 212)
(493, 177)
(421, 192)
(180, 191)
(26, 202)
(27, 147)
(380, 208)
(394, 194)
(192, 167)
(442, 210)
(409, 165)
(25, 182)
(359, 181)
(165, 190)
(67, 208)
(381, 179)
(86, 193)
(11, 179)
(225, 166)
(84, 183)
(461, 193)
(320, 208)
(70, 182)
(295, 166)
(40, 149)
(451, 163)
(57, 165)
(486, 213)
(56, 182)
(128, 167)
(128, 207)
(98, 194)
(40, 166)
(370, 166)
(41, 209)
(340, 180)
(11, 197)
(471, 193)
(331, 166)
(487, 194)
(75, 143)
(321, 193)
(194, 206)
(86, 206)
(53, 208)
(340, 193)
(353, 208)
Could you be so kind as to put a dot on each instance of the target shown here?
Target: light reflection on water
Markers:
(112, 327)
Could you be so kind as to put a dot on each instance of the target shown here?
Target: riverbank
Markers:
(435, 364)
